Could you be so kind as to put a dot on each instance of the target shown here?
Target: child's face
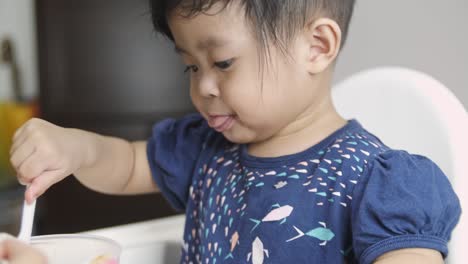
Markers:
(227, 85)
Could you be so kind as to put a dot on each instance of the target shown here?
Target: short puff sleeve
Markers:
(402, 201)
(173, 152)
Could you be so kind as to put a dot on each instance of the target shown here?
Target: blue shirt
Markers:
(347, 199)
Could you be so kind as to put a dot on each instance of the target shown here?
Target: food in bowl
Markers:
(104, 260)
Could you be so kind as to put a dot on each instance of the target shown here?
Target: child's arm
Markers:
(411, 256)
(116, 166)
(44, 154)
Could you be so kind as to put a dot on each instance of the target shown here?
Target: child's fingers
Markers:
(9, 248)
(18, 143)
(29, 126)
(3, 251)
(30, 195)
(42, 183)
(19, 132)
(22, 153)
(18, 252)
(23, 180)
(32, 167)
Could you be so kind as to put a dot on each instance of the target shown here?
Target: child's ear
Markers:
(323, 38)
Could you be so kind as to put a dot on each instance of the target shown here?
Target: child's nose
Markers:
(208, 87)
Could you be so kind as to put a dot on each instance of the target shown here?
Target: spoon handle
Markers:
(27, 220)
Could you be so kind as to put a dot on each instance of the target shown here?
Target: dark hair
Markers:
(272, 20)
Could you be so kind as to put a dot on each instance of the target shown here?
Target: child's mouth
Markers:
(221, 123)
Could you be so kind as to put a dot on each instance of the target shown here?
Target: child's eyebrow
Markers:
(206, 44)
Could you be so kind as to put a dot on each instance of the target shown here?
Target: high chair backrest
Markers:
(411, 110)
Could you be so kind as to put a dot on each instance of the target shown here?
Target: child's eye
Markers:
(192, 68)
(224, 65)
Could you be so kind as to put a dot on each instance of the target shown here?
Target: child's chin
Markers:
(235, 138)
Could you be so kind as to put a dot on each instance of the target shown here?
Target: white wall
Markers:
(18, 23)
(427, 35)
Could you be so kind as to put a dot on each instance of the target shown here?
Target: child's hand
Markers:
(44, 154)
(16, 252)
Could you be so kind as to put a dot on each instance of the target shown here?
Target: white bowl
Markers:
(77, 249)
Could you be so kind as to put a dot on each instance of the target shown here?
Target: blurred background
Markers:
(98, 65)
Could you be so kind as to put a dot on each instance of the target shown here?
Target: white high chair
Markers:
(410, 110)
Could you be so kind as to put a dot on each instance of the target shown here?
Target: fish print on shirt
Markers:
(226, 227)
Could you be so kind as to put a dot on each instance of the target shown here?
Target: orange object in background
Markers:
(12, 116)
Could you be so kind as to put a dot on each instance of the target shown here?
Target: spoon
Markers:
(27, 220)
